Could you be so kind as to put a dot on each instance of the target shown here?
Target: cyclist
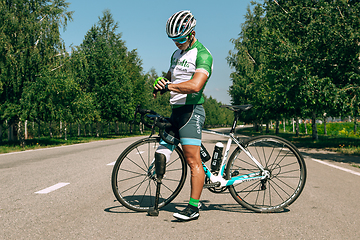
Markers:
(190, 68)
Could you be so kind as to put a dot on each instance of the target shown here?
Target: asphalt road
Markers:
(80, 203)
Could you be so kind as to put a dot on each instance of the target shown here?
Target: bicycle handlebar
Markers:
(157, 119)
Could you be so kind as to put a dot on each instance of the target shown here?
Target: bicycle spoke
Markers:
(285, 177)
(290, 171)
(129, 171)
(134, 177)
(143, 196)
(170, 163)
(276, 191)
(139, 184)
(284, 184)
(272, 151)
(125, 179)
(140, 154)
(137, 164)
(252, 164)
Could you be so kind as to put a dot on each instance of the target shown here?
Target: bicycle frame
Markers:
(271, 170)
(262, 174)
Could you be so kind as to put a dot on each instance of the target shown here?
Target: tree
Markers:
(29, 43)
(106, 73)
(295, 58)
(215, 115)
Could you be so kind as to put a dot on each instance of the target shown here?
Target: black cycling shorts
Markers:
(187, 122)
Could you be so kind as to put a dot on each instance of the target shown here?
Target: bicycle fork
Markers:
(160, 164)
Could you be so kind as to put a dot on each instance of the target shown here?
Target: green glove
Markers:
(158, 79)
(164, 90)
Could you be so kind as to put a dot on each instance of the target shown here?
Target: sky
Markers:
(142, 24)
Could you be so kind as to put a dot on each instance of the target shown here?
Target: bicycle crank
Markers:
(213, 187)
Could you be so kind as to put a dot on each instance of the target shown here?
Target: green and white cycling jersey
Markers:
(183, 66)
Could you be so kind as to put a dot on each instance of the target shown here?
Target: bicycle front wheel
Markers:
(286, 180)
(134, 178)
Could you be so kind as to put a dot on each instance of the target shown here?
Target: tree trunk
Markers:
(50, 130)
(293, 123)
(314, 127)
(305, 127)
(26, 135)
(69, 130)
(11, 132)
(277, 127)
(141, 128)
(284, 125)
(355, 123)
(79, 129)
(1, 129)
(98, 129)
(117, 128)
(39, 129)
(325, 130)
(61, 130)
(20, 134)
(65, 131)
(267, 127)
(297, 126)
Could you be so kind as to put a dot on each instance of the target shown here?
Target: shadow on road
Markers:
(331, 156)
(206, 206)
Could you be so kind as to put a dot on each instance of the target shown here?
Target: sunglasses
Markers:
(182, 40)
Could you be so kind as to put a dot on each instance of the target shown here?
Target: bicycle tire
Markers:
(287, 174)
(134, 180)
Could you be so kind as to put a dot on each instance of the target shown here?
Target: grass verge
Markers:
(341, 144)
(47, 142)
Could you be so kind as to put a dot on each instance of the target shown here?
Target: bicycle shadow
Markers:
(205, 206)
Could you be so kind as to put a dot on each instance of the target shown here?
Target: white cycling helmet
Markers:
(180, 24)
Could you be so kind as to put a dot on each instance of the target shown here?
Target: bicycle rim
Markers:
(134, 178)
(287, 174)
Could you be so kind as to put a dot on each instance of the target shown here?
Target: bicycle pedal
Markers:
(212, 185)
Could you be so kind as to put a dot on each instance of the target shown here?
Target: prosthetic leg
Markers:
(160, 164)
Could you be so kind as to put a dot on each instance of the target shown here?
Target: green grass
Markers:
(354, 165)
(46, 142)
(340, 138)
(346, 145)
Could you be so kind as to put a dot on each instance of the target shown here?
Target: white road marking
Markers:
(337, 167)
(141, 152)
(52, 188)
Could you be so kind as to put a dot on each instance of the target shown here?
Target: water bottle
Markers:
(216, 158)
(205, 156)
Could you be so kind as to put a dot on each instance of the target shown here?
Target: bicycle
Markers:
(263, 174)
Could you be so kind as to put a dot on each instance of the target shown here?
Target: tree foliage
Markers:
(298, 58)
(100, 81)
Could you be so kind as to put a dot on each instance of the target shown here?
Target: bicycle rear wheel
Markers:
(287, 174)
(134, 179)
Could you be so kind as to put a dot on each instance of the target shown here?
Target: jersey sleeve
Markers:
(204, 62)
(171, 61)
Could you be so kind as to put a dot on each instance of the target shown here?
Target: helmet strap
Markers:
(191, 38)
